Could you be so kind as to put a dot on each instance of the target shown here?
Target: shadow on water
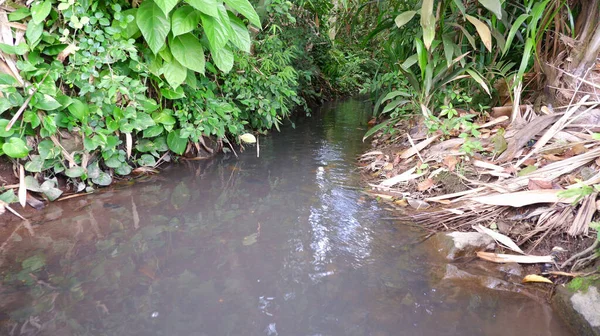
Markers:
(283, 244)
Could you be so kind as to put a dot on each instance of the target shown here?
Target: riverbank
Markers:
(531, 182)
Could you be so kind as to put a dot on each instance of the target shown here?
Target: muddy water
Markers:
(284, 244)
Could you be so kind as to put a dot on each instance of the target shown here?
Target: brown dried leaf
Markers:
(539, 184)
(425, 184)
(71, 48)
(450, 161)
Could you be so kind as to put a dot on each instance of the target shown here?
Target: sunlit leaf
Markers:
(494, 6)
(483, 31)
(184, 20)
(536, 278)
(245, 8)
(40, 10)
(188, 51)
(154, 24)
(166, 5)
(428, 22)
(404, 18)
(248, 138)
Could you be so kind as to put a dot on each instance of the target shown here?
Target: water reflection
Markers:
(278, 245)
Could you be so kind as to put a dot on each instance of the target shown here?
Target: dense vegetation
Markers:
(97, 89)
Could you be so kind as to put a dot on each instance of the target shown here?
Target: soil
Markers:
(7, 176)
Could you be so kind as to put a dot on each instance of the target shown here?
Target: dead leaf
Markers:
(406, 176)
(417, 204)
(2, 207)
(539, 184)
(71, 48)
(522, 198)
(129, 143)
(510, 258)
(425, 184)
(22, 187)
(388, 166)
(500, 238)
(450, 161)
(415, 149)
(536, 278)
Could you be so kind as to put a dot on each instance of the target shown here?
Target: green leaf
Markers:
(378, 127)
(46, 102)
(142, 121)
(153, 131)
(477, 77)
(78, 109)
(9, 197)
(166, 5)
(40, 10)
(147, 160)
(184, 20)
(215, 30)
(3, 132)
(35, 165)
(176, 144)
(103, 179)
(245, 8)
(154, 24)
(9, 80)
(34, 33)
(132, 27)
(75, 172)
(15, 148)
(34, 263)
(494, 6)
(188, 51)
(175, 73)
(164, 117)
(513, 31)
(239, 35)
(404, 18)
(223, 58)
(208, 7)
(174, 94)
(19, 14)
(20, 49)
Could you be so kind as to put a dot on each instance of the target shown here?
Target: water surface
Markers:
(281, 244)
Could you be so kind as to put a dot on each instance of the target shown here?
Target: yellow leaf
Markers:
(248, 138)
(482, 30)
(536, 278)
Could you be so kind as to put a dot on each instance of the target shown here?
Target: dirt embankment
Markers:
(531, 180)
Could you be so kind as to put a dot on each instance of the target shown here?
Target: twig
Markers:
(580, 254)
(25, 104)
(415, 148)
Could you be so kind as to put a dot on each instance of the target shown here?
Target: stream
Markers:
(281, 244)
